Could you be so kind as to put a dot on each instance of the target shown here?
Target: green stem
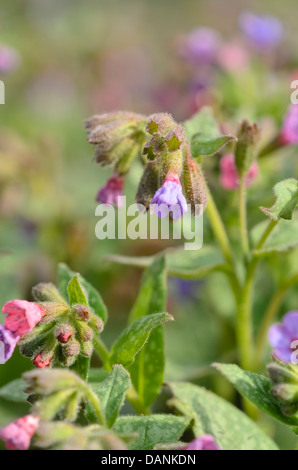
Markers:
(243, 216)
(269, 316)
(134, 400)
(219, 228)
(265, 235)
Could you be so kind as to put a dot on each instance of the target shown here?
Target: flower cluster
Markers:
(18, 435)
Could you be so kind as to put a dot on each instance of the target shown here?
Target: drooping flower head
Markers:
(200, 46)
(18, 435)
(22, 316)
(263, 32)
(229, 177)
(112, 190)
(169, 197)
(204, 442)
(9, 59)
(8, 342)
(289, 133)
(283, 335)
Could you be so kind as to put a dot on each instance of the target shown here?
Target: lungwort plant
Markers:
(76, 406)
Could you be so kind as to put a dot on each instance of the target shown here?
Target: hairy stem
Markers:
(243, 216)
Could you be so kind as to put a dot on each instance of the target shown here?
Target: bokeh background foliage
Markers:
(78, 58)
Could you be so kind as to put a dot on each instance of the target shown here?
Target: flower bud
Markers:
(41, 362)
(87, 349)
(246, 146)
(194, 184)
(47, 292)
(285, 379)
(85, 332)
(148, 185)
(81, 312)
(53, 310)
(72, 348)
(64, 333)
(283, 373)
(96, 324)
(18, 435)
(159, 123)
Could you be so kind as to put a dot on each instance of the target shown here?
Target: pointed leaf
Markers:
(201, 145)
(257, 389)
(286, 193)
(151, 430)
(76, 293)
(94, 299)
(134, 337)
(147, 371)
(282, 238)
(14, 391)
(231, 428)
(111, 394)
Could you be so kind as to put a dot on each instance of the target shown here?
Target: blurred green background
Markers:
(83, 57)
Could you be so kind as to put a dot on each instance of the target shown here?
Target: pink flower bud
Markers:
(22, 316)
(229, 177)
(110, 193)
(18, 435)
(289, 133)
(204, 442)
(40, 364)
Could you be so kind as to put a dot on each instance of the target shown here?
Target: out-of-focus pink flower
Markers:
(200, 46)
(289, 133)
(283, 335)
(22, 316)
(232, 57)
(113, 189)
(18, 435)
(8, 342)
(169, 197)
(204, 442)
(9, 59)
(229, 177)
(40, 364)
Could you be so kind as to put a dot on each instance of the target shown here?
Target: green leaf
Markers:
(231, 428)
(76, 293)
(147, 371)
(151, 430)
(286, 193)
(257, 389)
(202, 122)
(180, 263)
(133, 338)
(94, 299)
(201, 145)
(111, 394)
(13, 391)
(282, 238)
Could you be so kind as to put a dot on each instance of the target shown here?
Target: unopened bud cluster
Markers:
(64, 333)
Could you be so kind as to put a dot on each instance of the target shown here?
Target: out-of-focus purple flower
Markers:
(204, 442)
(113, 189)
(200, 46)
(18, 435)
(8, 342)
(232, 57)
(263, 32)
(289, 133)
(169, 197)
(22, 316)
(229, 177)
(282, 335)
(9, 59)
